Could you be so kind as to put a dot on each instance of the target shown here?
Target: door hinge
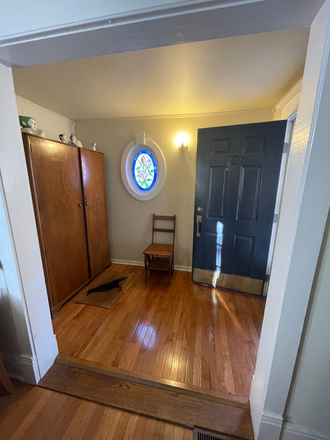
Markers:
(285, 147)
(275, 219)
(267, 277)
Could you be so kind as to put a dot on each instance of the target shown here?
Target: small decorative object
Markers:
(63, 138)
(28, 123)
(181, 140)
(73, 140)
(93, 146)
(79, 144)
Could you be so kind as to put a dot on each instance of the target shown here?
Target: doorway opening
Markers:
(201, 340)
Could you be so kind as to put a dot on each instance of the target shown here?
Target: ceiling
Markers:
(238, 73)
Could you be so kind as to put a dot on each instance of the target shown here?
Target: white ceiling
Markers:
(238, 73)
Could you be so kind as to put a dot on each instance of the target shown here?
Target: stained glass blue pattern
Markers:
(144, 170)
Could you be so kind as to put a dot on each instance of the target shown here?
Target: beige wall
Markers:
(130, 219)
(52, 123)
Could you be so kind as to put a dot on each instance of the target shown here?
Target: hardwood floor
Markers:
(151, 400)
(184, 332)
(40, 414)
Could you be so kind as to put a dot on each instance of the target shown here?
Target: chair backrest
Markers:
(163, 217)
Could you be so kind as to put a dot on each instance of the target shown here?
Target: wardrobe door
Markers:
(93, 172)
(56, 178)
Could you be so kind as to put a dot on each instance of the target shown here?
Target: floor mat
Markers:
(104, 299)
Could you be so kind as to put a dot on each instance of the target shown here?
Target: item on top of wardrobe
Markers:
(73, 140)
(79, 144)
(70, 205)
(28, 122)
(28, 125)
(93, 146)
(63, 138)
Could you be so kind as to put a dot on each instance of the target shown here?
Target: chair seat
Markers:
(158, 249)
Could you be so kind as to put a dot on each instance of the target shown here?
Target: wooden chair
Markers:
(4, 379)
(159, 256)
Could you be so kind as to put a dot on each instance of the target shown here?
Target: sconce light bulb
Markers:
(181, 140)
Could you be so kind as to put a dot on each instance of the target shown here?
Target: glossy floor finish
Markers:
(39, 414)
(185, 332)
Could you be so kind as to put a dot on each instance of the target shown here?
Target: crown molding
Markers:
(180, 116)
(289, 95)
(43, 109)
(129, 17)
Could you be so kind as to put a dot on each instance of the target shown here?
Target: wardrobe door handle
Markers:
(86, 203)
(80, 204)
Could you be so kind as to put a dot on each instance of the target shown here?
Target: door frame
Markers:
(281, 182)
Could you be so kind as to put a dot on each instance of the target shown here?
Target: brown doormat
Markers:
(103, 299)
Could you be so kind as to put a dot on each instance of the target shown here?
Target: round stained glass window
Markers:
(144, 170)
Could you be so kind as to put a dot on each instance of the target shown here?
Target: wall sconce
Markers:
(181, 140)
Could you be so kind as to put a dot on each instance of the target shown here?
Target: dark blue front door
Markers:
(236, 184)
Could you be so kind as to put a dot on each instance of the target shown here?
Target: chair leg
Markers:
(145, 268)
(4, 379)
(172, 264)
(169, 270)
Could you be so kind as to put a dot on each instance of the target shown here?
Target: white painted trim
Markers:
(306, 210)
(297, 432)
(181, 116)
(43, 109)
(270, 426)
(135, 16)
(126, 167)
(141, 263)
(20, 367)
(289, 96)
(281, 181)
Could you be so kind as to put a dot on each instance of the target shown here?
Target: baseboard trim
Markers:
(297, 432)
(20, 367)
(141, 263)
(270, 426)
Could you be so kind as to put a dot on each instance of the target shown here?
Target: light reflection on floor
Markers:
(147, 335)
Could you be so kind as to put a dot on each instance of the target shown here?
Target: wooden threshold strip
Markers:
(158, 382)
(152, 401)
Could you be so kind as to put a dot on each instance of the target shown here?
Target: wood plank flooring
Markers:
(148, 399)
(40, 414)
(185, 332)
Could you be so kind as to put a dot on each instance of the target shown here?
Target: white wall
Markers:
(52, 123)
(301, 225)
(23, 284)
(14, 342)
(309, 400)
(130, 219)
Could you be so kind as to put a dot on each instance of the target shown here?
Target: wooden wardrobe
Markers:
(69, 197)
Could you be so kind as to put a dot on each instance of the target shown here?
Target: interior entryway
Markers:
(182, 345)
(187, 333)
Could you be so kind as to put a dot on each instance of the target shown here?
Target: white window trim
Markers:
(142, 143)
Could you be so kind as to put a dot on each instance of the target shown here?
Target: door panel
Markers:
(57, 181)
(249, 193)
(218, 192)
(93, 168)
(236, 184)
